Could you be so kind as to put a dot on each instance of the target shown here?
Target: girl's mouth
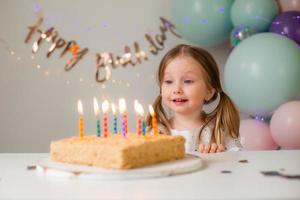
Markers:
(179, 100)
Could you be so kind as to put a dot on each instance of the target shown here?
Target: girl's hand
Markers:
(211, 148)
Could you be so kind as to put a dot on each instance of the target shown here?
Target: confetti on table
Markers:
(280, 174)
(31, 167)
(226, 172)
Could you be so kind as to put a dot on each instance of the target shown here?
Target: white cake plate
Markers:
(189, 164)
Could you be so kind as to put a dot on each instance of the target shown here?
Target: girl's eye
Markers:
(188, 81)
(168, 81)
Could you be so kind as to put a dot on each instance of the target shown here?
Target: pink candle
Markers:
(105, 106)
(122, 107)
(139, 111)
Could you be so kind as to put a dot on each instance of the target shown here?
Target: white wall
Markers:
(36, 108)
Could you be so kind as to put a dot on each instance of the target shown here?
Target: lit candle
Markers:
(105, 106)
(140, 112)
(115, 124)
(97, 112)
(144, 127)
(154, 121)
(122, 107)
(81, 120)
(143, 121)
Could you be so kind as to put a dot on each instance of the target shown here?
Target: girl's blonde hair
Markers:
(224, 117)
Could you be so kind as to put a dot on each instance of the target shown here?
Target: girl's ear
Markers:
(210, 94)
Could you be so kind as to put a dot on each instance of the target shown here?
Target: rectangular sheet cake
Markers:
(117, 152)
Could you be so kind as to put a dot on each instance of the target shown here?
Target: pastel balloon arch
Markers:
(261, 74)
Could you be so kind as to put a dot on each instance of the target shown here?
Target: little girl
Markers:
(188, 79)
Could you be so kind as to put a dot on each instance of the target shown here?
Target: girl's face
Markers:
(183, 86)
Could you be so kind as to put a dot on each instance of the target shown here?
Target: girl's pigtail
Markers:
(227, 119)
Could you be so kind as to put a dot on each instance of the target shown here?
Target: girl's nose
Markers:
(177, 90)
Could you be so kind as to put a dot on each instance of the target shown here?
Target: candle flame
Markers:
(105, 106)
(79, 106)
(122, 105)
(141, 109)
(113, 108)
(151, 110)
(136, 105)
(138, 108)
(96, 107)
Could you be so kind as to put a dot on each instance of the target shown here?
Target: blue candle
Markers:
(115, 120)
(144, 127)
(96, 110)
(115, 124)
(98, 128)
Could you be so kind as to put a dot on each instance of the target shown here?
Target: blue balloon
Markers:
(203, 22)
(262, 73)
(257, 14)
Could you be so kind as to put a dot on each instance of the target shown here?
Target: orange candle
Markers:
(105, 107)
(81, 120)
(154, 121)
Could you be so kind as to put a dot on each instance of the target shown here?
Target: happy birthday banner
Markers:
(104, 60)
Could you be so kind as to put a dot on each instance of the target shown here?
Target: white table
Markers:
(244, 181)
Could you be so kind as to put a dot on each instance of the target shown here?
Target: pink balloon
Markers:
(256, 135)
(288, 5)
(285, 125)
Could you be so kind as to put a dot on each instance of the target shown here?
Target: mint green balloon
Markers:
(257, 14)
(202, 22)
(262, 73)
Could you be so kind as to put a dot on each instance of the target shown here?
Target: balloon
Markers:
(262, 73)
(240, 33)
(255, 135)
(286, 5)
(287, 24)
(257, 14)
(285, 125)
(203, 22)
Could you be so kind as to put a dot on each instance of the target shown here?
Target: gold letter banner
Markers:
(105, 60)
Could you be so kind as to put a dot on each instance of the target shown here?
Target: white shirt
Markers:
(192, 139)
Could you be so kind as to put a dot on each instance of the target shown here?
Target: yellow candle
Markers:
(154, 121)
(81, 120)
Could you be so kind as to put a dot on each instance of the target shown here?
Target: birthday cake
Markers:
(117, 152)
